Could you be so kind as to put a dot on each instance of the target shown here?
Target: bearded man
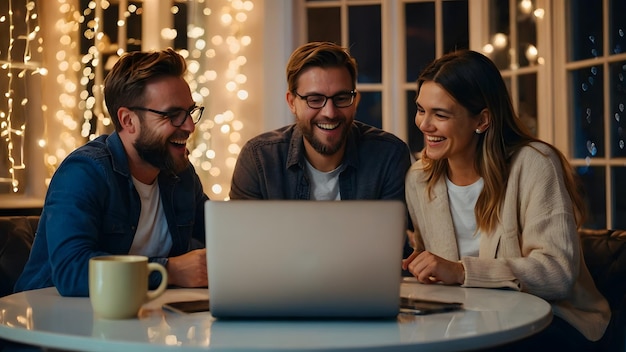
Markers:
(325, 154)
(131, 192)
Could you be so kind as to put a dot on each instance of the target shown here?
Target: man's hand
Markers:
(429, 268)
(188, 270)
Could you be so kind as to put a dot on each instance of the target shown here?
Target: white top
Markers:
(490, 317)
(324, 185)
(462, 203)
(152, 237)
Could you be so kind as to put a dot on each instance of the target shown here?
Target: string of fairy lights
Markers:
(79, 114)
(221, 131)
(17, 69)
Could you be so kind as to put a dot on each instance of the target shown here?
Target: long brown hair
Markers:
(475, 82)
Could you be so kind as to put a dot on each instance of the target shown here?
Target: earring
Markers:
(478, 131)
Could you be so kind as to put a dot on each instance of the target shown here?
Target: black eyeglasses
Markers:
(178, 116)
(318, 101)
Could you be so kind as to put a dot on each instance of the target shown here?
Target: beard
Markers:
(154, 150)
(320, 146)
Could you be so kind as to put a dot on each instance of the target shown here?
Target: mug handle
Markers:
(150, 295)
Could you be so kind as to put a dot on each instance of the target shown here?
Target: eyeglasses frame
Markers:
(332, 98)
(167, 114)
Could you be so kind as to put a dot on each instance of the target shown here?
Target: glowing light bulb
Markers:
(500, 40)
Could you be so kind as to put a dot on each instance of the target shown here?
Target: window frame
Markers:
(393, 86)
(563, 111)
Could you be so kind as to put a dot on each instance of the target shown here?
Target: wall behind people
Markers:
(57, 119)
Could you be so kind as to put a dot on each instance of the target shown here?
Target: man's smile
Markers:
(328, 126)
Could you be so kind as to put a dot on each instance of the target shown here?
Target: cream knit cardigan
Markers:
(535, 248)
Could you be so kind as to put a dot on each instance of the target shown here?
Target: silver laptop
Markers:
(304, 259)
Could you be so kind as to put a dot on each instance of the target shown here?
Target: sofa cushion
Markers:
(16, 237)
(605, 255)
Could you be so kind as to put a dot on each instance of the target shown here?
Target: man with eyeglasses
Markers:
(131, 192)
(325, 154)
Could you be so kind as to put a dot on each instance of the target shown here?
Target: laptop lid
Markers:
(307, 259)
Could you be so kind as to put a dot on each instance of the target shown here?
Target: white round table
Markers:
(490, 317)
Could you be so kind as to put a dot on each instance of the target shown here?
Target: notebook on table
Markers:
(304, 259)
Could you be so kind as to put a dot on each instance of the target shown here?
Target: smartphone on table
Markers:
(195, 306)
(418, 306)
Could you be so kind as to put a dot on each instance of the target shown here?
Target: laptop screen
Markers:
(309, 259)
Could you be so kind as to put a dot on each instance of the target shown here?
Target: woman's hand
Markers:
(429, 268)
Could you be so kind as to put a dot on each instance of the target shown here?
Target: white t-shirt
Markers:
(152, 237)
(324, 185)
(462, 202)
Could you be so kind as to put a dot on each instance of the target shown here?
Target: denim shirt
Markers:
(92, 209)
(272, 166)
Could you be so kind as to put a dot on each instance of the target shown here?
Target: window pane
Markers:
(499, 28)
(455, 25)
(618, 180)
(617, 26)
(110, 25)
(416, 138)
(324, 24)
(181, 17)
(527, 111)
(526, 35)
(585, 28)
(593, 179)
(618, 108)
(365, 41)
(369, 110)
(588, 112)
(420, 37)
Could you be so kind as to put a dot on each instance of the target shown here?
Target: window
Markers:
(507, 31)
(592, 54)
(361, 33)
(520, 53)
(564, 63)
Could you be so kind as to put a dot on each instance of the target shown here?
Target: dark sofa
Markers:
(16, 237)
(604, 251)
(605, 256)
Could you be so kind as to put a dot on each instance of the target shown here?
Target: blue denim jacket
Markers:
(92, 208)
(272, 166)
